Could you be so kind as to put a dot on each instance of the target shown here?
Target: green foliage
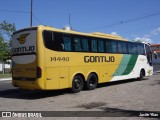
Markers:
(6, 31)
(5, 75)
(3, 49)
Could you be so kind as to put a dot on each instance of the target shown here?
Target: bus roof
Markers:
(95, 34)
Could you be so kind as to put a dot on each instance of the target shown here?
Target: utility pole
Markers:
(69, 20)
(31, 14)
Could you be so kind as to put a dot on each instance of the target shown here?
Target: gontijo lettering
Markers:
(23, 49)
(93, 59)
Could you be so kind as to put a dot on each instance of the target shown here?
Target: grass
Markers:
(5, 75)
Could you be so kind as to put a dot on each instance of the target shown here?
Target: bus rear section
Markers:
(24, 59)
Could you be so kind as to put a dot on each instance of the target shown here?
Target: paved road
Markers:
(124, 97)
(156, 67)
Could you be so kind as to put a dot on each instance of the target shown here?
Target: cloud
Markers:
(147, 36)
(114, 33)
(156, 31)
(143, 39)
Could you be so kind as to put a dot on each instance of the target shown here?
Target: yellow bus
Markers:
(47, 58)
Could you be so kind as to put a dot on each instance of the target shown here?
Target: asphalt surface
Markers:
(156, 68)
(118, 100)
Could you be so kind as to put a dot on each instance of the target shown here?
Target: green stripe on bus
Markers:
(130, 65)
(123, 65)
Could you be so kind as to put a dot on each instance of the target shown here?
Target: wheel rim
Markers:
(77, 83)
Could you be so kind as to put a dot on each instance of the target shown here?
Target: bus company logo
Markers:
(22, 38)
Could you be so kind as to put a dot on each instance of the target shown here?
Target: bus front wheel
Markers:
(92, 81)
(77, 84)
(142, 74)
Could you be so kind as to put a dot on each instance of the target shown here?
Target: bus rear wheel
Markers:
(92, 82)
(77, 84)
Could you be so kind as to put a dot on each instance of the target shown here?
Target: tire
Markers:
(142, 75)
(92, 82)
(77, 84)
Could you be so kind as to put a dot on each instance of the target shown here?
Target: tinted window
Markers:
(67, 43)
(140, 49)
(48, 39)
(101, 46)
(114, 46)
(81, 44)
(120, 47)
(108, 46)
(85, 46)
(52, 40)
(132, 48)
(124, 48)
(94, 45)
(77, 44)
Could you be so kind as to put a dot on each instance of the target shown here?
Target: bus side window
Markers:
(85, 46)
(52, 40)
(132, 48)
(114, 46)
(77, 44)
(124, 48)
(120, 47)
(100, 46)
(140, 49)
(67, 43)
(80, 44)
(108, 46)
(58, 46)
(48, 39)
(94, 45)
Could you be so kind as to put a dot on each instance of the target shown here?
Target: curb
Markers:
(5, 79)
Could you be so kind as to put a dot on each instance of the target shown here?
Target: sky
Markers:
(131, 19)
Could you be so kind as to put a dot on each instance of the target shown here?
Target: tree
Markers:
(3, 49)
(6, 31)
